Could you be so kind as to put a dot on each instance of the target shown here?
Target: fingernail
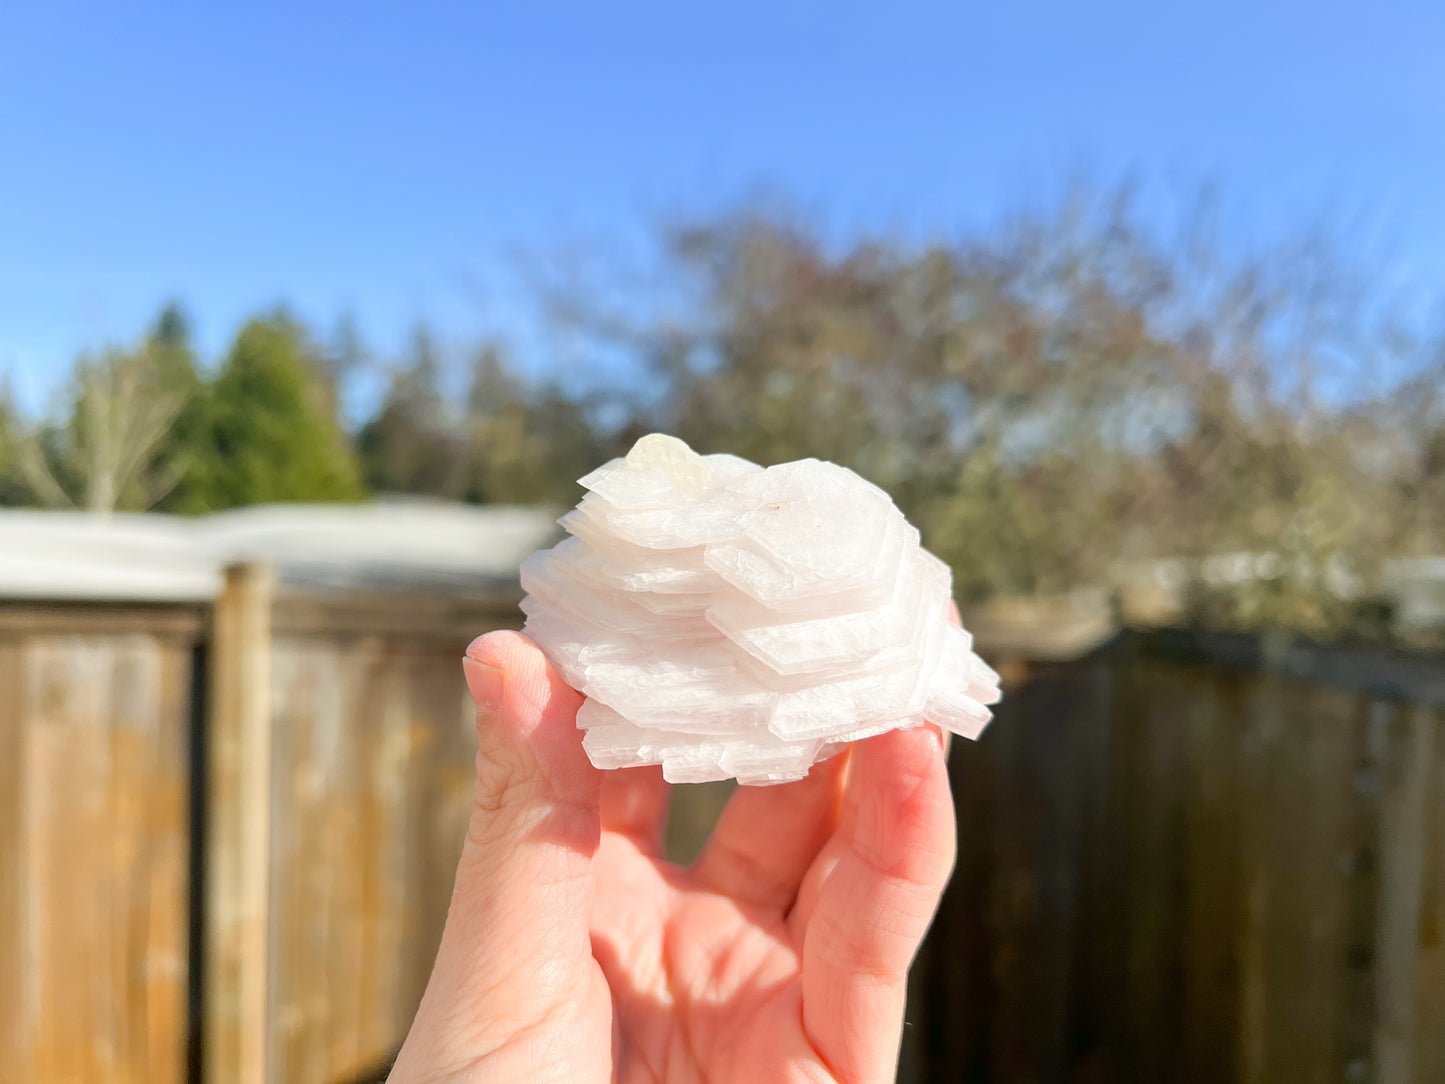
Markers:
(484, 682)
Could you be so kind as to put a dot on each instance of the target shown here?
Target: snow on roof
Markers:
(388, 544)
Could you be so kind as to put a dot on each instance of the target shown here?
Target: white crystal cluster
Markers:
(726, 620)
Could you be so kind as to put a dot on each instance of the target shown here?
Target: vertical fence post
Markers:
(238, 819)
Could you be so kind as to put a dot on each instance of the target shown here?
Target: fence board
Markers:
(238, 819)
(373, 765)
(16, 1029)
(1038, 823)
(956, 980)
(94, 729)
(443, 767)
(1298, 892)
(1355, 1039)
(164, 918)
(1430, 952)
(1409, 764)
(1091, 726)
(1211, 712)
(1149, 770)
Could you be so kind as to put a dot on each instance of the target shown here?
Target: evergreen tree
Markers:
(344, 358)
(269, 434)
(411, 445)
(174, 357)
(12, 486)
(526, 446)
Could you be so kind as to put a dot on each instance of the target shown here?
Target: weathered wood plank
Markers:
(429, 619)
(1408, 764)
(1150, 770)
(389, 796)
(957, 1006)
(1211, 713)
(373, 760)
(238, 817)
(1091, 729)
(1300, 753)
(1429, 1012)
(69, 837)
(1262, 741)
(98, 917)
(300, 877)
(183, 622)
(16, 1008)
(161, 964)
(378, 673)
(1361, 872)
(1038, 822)
(1407, 677)
(1327, 722)
(441, 742)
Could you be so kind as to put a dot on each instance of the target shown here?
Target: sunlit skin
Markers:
(573, 952)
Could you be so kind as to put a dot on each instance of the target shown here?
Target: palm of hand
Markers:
(701, 987)
(781, 954)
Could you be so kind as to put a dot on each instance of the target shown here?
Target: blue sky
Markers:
(393, 160)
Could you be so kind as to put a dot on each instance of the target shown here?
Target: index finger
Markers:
(870, 897)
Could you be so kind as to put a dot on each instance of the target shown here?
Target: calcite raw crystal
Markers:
(730, 621)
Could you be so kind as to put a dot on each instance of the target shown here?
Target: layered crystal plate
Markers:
(730, 621)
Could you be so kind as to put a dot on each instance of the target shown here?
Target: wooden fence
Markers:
(95, 714)
(281, 926)
(1193, 858)
(227, 838)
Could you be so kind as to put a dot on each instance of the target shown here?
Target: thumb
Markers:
(534, 784)
(517, 931)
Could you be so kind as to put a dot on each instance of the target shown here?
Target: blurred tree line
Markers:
(149, 428)
(1056, 403)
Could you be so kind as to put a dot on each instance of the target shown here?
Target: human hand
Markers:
(573, 952)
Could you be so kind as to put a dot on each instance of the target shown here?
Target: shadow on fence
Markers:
(1197, 858)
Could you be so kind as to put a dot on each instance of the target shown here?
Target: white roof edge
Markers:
(402, 545)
